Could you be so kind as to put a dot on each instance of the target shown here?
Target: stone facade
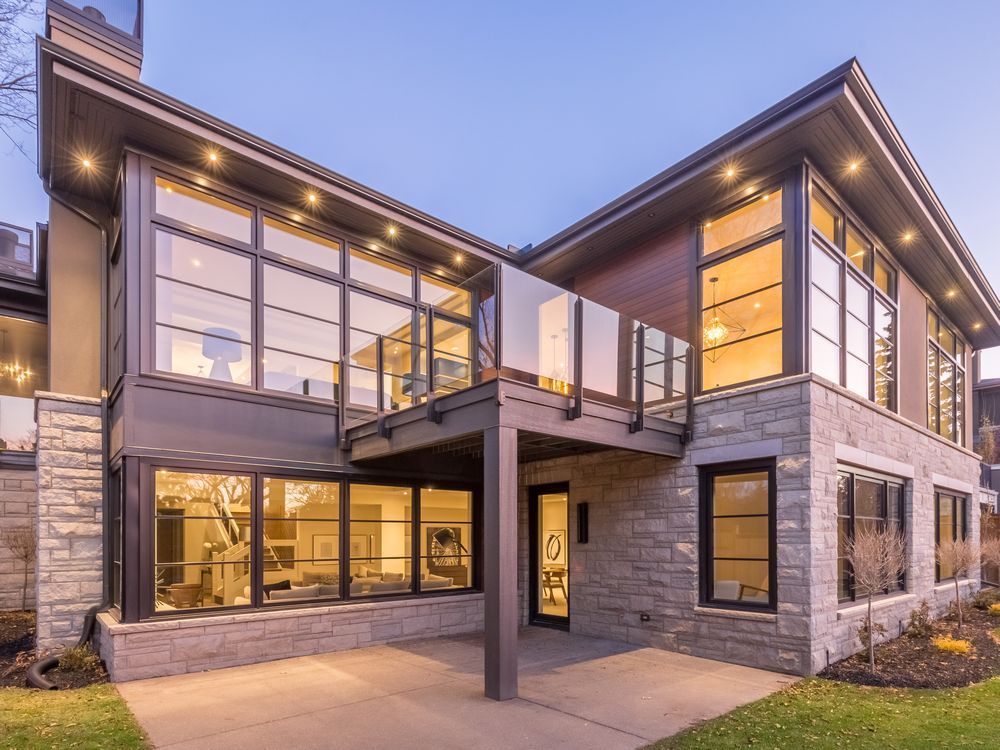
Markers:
(70, 566)
(164, 647)
(642, 558)
(17, 509)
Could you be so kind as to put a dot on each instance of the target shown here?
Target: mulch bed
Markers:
(914, 662)
(17, 652)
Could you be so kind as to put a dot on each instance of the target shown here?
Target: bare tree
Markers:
(957, 556)
(17, 68)
(21, 542)
(878, 558)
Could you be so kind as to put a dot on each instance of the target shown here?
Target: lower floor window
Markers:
(949, 524)
(864, 501)
(738, 534)
(224, 540)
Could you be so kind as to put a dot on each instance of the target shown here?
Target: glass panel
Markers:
(932, 388)
(741, 537)
(745, 360)
(301, 294)
(745, 273)
(858, 375)
(946, 339)
(445, 296)
(306, 376)
(202, 311)
(446, 539)
(740, 494)
(541, 315)
(932, 324)
(844, 494)
(402, 363)
(825, 315)
(202, 540)
(553, 554)
(885, 372)
(380, 541)
(869, 498)
(202, 210)
(298, 333)
(23, 370)
(755, 217)
(825, 272)
(746, 316)
(202, 356)
(202, 265)
(381, 273)
(885, 277)
(823, 218)
(665, 376)
(452, 356)
(299, 245)
(858, 338)
(744, 581)
(857, 299)
(858, 249)
(607, 352)
(825, 358)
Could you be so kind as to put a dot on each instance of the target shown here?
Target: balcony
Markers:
(17, 253)
(509, 349)
(121, 19)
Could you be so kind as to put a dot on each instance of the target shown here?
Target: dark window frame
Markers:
(959, 406)
(957, 499)
(837, 251)
(706, 545)
(854, 474)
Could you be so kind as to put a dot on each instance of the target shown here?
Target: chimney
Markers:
(108, 32)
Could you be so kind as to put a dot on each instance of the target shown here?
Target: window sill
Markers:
(736, 614)
(854, 609)
(949, 584)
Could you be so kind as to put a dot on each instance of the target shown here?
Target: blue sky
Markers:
(514, 119)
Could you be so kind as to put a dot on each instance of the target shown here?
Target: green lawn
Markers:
(823, 714)
(91, 717)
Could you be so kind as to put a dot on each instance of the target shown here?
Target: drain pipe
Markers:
(36, 672)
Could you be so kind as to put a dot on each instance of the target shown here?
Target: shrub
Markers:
(921, 625)
(994, 609)
(79, 659)
(985, 597)
(952, 645)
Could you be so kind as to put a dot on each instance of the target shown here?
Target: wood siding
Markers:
(911, 352)
(648, 282)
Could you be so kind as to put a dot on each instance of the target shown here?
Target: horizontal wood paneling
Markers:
(648, 282)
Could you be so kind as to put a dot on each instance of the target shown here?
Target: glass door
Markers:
(550, 555)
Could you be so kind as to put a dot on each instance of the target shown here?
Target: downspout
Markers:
(36, 671)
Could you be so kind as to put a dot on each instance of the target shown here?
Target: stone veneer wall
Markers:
(17, 508)
(164, 647)
(69, 571)
(642, 554)
(847, 430)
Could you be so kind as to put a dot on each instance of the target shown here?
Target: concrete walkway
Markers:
(575, 692)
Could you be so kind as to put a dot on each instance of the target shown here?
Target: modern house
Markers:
(282, 413)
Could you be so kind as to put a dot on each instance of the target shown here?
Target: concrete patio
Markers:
(575, 692)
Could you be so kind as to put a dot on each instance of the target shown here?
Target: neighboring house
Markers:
(288, 414)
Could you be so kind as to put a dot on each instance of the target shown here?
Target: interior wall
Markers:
(911, 352)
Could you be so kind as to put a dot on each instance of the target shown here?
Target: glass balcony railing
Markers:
(17, 253)
(506, 323)
(123, 16)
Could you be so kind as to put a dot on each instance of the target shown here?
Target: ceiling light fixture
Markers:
(459, 259)
(391, 231)
(213, 155)
(311, 197)
(908, 237)
(86, 163)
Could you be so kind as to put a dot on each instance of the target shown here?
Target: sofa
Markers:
(373, 583)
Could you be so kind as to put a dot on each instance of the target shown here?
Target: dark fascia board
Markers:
(49, 53)
(847, 85)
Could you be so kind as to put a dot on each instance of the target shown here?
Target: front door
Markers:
(549, 522)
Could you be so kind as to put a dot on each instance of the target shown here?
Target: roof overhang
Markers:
(89, 111)
(835, 120)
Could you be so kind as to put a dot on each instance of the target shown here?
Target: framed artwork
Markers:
(554, 548)
(326, 549)
(360, 547)
(444, 545)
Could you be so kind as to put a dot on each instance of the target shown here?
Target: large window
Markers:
(852, 306)
(864, 501)
(268, 309)
(309, 545)
(23, 370)
(945, 379)
(738, 533)
(950, 523)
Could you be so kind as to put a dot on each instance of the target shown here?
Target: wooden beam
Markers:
(500, 561)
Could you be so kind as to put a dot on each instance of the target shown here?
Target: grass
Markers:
(91, 717)
(820, 714)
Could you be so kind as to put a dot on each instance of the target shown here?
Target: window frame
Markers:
(151, 168)
(147, 566)
(958, 417)
(855, 473)
(837, 252)
(706, 597)
(956, 499)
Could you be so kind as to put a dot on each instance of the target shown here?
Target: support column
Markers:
(500, 560)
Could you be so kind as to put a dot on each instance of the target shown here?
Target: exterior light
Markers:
(950, 293)
(213, 156)
(708, 225)
(730, 172)
(86, 163)
(853, 167)
(391, 231)
(459, 259)
(312, 197)
(908, 237)
(976, 326)
(767, 198)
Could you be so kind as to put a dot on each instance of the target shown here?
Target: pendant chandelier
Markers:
(721, 328)
(12, 371)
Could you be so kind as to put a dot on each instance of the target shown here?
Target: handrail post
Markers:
(498, 316)
(379, 387)
(689, 386)
(640, 378)
(342, 407)
(432, 413)
(576, 410)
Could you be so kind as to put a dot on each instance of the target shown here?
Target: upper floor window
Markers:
(741, 294)
(23, 370)
(301, 246)
(945, 379)
(864, 501)
(202, 210)
(949, 524)
(852, 311)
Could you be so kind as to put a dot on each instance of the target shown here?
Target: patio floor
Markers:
(575, 692)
